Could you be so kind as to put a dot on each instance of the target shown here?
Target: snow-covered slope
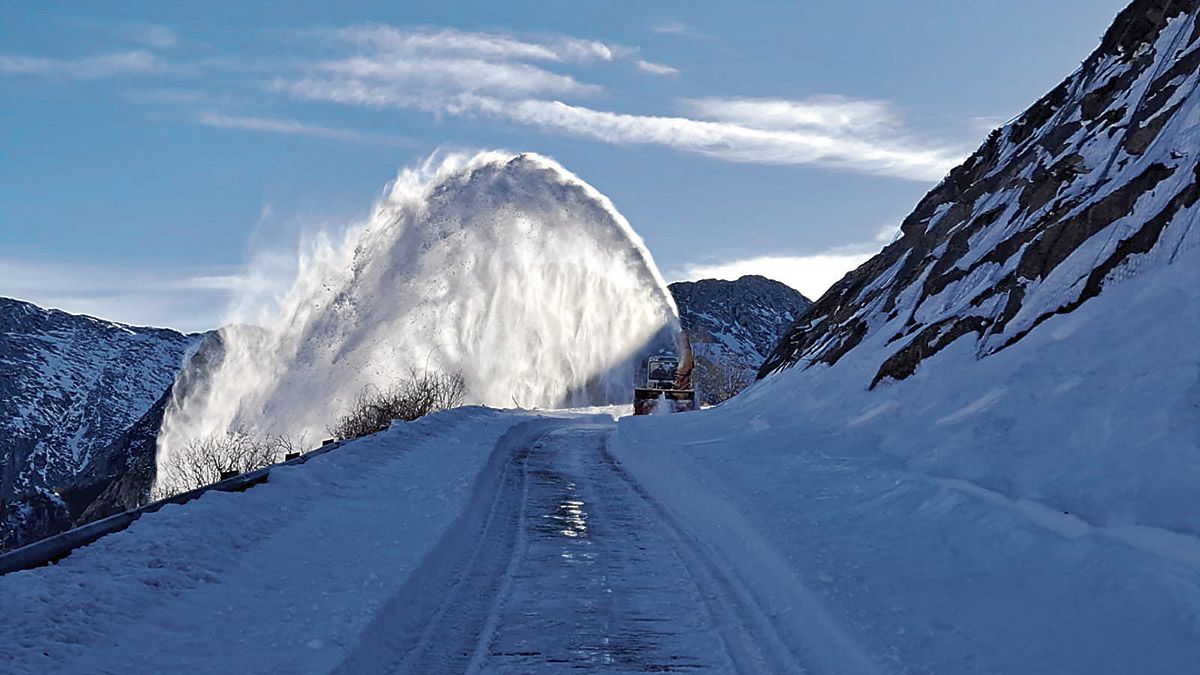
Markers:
(1031, 511)
(283, 578)
(70, 387)
(1034, 511)
(733, 325)
(979, 452)
(1095, 183)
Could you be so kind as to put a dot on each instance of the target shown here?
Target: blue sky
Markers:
(148, 148)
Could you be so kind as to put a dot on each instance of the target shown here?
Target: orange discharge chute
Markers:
(683, 374)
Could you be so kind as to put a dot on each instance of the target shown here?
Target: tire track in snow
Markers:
(600, 586)
(565, 562)
(781, 624)
(432, 624)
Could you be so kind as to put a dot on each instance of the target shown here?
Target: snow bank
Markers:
(1032, 511)
(281, 578)
(508, 269)
(1099, 414)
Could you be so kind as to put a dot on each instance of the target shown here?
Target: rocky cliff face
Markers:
(733, 325)
(1092, 184)
(70, 389)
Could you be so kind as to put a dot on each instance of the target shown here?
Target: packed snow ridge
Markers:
(507, 269)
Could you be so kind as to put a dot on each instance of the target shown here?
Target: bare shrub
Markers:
(717, 381)
(204, 461)
(409, 398)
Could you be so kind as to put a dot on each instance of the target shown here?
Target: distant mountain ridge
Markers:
(1093, 183)
(733, 325)
(70, 387)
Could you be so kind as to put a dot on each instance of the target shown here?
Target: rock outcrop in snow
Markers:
(1094, 183)
(733, 325)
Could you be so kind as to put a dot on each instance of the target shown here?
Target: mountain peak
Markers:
(733, 325)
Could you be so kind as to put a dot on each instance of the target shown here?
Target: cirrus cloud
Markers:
(294, 127)
(493, 46)
(655, 68)
(500, 76)
(539, 82)
(90, 67)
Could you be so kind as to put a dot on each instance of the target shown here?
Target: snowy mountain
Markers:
(1093, 184)
(733, 325)
(70, 387)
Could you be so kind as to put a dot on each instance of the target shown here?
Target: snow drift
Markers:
(510, 270)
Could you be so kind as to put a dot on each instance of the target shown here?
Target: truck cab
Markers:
(665, 384)
(660, 371)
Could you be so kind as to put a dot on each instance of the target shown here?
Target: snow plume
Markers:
(510, 270)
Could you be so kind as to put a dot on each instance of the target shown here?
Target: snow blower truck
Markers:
(666, 381)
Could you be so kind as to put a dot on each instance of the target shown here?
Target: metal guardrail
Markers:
(53, 549)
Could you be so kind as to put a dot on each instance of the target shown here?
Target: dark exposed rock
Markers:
(129, 476)
(128, 472)
(927, 343)
(31, 516)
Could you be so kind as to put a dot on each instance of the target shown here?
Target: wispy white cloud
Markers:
(448, 72)
(447, 76)
(294, 127)
(150, 34)
(91, 67)
(442, 71)
(830, 145)
(655, 68)
(492, 46)
(812, 275)
(864, 152)
(673, 27)
(525, 80)
(830, 113)
(423, 64)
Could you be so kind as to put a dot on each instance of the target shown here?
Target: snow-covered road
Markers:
(565, 563)
(476, 542)
(509, 542)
